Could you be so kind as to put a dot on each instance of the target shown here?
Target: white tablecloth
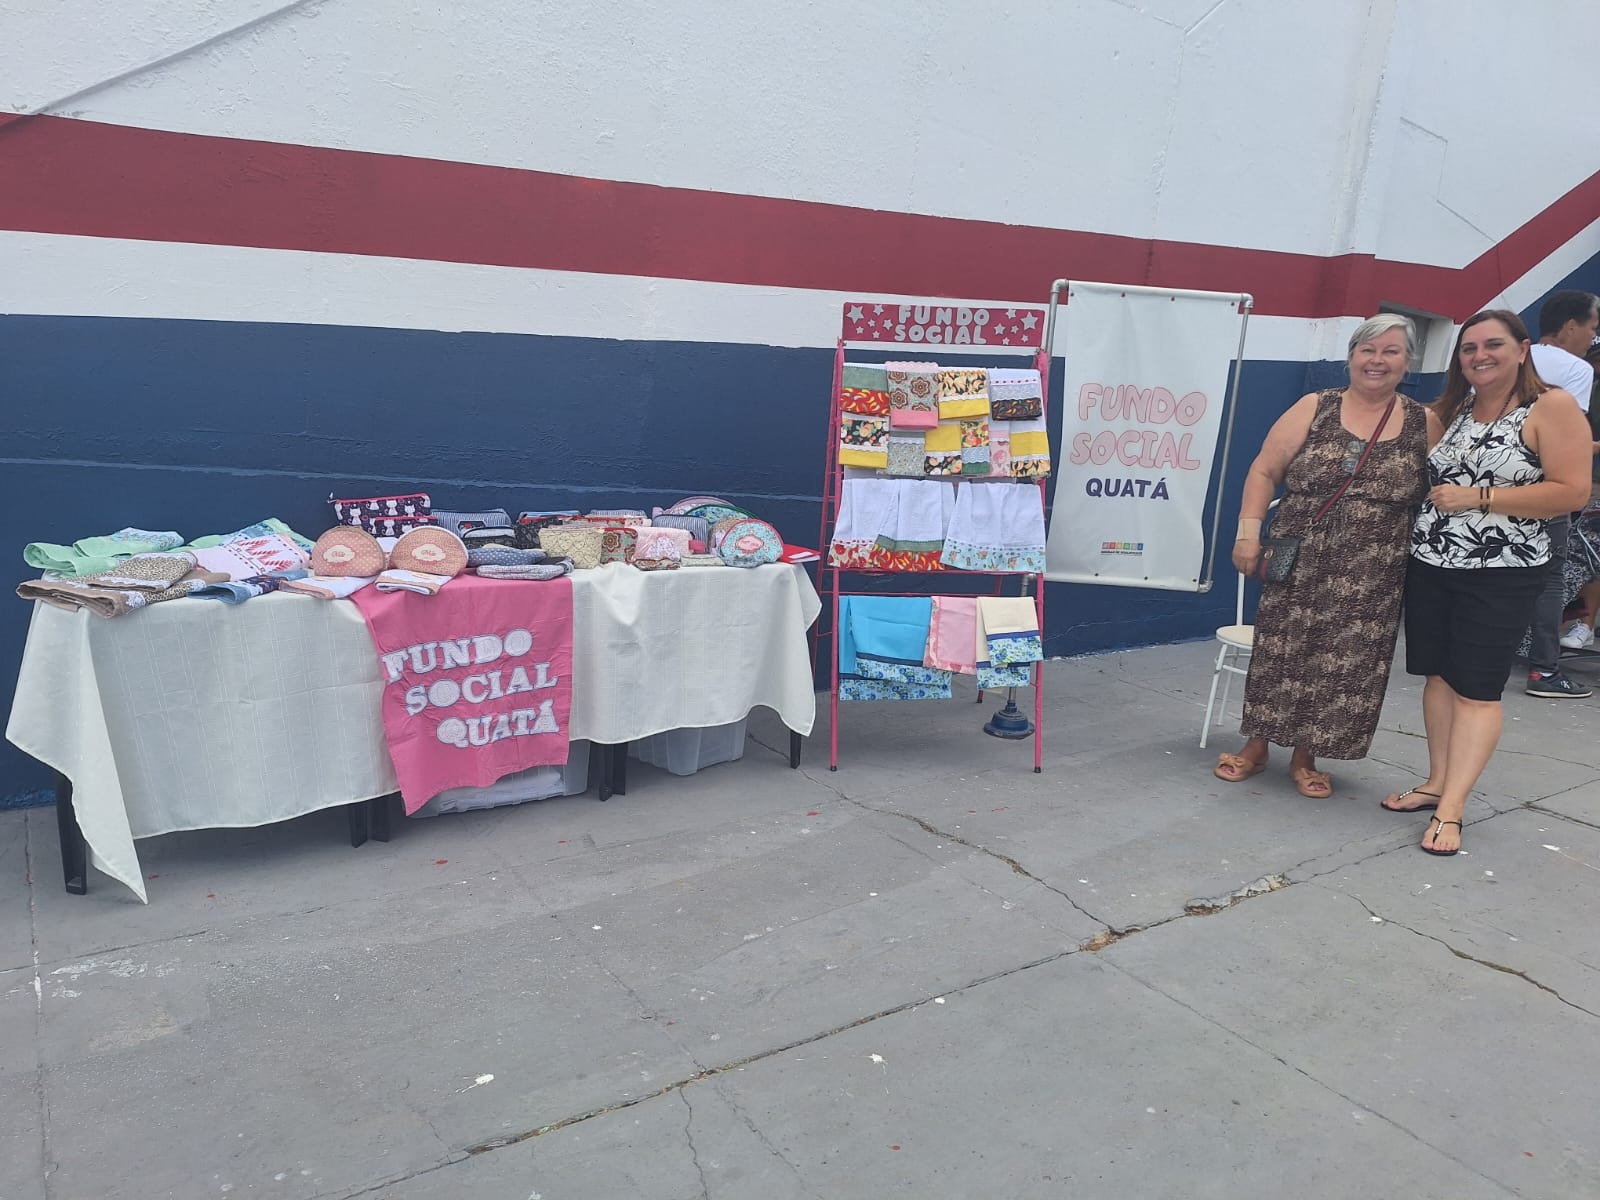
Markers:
(199, 715)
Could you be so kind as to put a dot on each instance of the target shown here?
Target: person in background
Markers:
(1567, 325)
(1325, 637)
(1593, 359)
(1514, 453)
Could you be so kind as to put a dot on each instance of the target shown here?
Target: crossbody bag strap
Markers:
(1371, 442)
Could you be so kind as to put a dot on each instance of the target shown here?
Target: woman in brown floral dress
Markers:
(1325, 637)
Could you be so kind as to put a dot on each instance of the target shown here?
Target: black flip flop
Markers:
(1440, 853)
(1418, 808)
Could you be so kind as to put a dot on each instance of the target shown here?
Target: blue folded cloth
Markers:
(882, 640)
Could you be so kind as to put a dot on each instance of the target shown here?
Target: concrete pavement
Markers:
(930, 973)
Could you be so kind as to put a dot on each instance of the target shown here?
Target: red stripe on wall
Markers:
(60, 175)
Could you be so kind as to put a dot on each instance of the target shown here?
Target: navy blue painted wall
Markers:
(207, 426)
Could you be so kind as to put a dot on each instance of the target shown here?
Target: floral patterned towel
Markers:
(865, 401)
(913, 394)
(1015, 395)
(863, 441)
(907, 453)
(882, 640)
(975, 446)
(963, 392)
(1030, 450)
(996, 527)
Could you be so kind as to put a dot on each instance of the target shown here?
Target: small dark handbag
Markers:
(1279, 554)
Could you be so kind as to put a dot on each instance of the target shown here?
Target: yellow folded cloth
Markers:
(963, 392)
(944, 438)
(863, 440)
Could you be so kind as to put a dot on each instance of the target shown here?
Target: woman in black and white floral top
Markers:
(1514, 452)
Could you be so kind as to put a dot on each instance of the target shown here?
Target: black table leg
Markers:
(795, 742)
(74, 850)
(357, 813)
(619, 769)
(600, 768)
(378, 817)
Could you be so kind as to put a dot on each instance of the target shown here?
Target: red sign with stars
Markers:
(942, 324)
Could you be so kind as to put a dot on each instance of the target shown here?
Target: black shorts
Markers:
(1463, 624)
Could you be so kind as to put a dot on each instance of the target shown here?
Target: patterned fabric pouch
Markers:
(346, 551)
(489, 535)
(661, 549)
(459, 522)
(748, 543)
(690, 503)
(525, 533)
(429, 552)
(864, 390)
(503, 556)
(580, 543)
(618, 543)
(697, 527)
(385, 516)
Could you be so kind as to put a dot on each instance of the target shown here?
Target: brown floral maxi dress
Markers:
(1325, 639)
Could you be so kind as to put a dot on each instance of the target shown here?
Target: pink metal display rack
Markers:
(925, 327)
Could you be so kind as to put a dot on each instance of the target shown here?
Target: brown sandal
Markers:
(1238, 768)
(1308, 778)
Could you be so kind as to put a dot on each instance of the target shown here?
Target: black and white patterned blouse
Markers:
(1472, 454)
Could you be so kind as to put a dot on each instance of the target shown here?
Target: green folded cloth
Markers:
(259, 529)
(874, 379)
(93, 555)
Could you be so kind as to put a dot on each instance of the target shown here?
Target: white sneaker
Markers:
(1578, 636)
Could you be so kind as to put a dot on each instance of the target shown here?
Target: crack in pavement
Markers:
(513, 1139)
(1108, 936)
(1535, 806)
(760, 1136)
(694, 1151)
(930, 828)
(1307, 1075)
(1502, 968)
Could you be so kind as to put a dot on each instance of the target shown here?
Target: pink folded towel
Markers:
(913, 394)
(953, 634)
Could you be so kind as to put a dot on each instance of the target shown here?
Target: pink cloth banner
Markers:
(477, 680)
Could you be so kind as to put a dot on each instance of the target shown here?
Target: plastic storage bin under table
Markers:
(685, 751)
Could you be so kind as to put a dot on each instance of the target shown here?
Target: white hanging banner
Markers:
(1141, 408)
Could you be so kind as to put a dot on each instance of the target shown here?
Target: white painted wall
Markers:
(1404, 128)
